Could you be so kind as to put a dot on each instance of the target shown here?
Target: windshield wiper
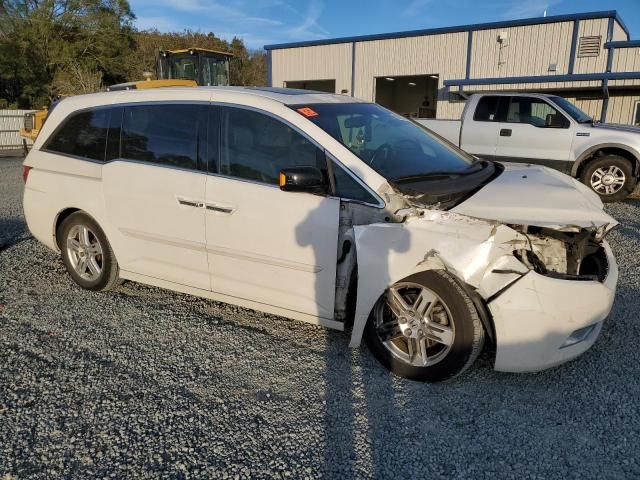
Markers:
(445, 174)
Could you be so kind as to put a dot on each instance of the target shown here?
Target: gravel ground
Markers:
(143, 382)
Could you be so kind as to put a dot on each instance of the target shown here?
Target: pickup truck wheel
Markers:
(610, 176)
(426, 328)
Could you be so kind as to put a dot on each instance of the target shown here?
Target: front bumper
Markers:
(535, 317)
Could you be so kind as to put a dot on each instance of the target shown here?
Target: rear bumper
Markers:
(535, 318)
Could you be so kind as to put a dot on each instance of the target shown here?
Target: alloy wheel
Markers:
(608, 180)
(414, 324)
(85, 252)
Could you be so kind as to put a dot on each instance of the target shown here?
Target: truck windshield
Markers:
(577, 114)
(394, 146)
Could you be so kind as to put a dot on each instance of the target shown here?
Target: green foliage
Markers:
(42, 39)
(51, 47)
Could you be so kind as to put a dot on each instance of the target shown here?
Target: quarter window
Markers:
(166, 134)
(348, 188)
(255, 146)
(83, 134)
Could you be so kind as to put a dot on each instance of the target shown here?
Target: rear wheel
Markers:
(425, 328)
(610, 176)
(86, 253)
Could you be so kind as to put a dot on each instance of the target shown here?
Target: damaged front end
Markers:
(545, 290)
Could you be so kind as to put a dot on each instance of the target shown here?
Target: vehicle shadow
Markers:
(350, 393)
(12, 231)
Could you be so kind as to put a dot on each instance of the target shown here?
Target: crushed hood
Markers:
(537, 196)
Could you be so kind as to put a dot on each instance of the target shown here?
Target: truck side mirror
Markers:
(302, 179)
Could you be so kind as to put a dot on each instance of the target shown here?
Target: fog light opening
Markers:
(579, 335)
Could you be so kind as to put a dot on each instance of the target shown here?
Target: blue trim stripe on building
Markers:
(462, 28)
(623, 44)
(353, 69)
(269, 66)
(576, 77)
(469, 48)
(605, 81)
(574, 43)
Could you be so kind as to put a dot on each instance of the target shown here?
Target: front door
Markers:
(154, 187)
(534, 132)
(265, 245)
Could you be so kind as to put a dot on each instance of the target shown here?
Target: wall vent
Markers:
(589, 46)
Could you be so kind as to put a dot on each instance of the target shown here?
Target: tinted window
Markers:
(256, 147)
(347, 187)
(165, 134)
(487, 109)
(535, 112)
(636, 116)
(83, 134)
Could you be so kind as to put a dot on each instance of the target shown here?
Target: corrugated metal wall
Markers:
(527, 50)
(622, 107)
(322, 62)
(591, 28)
(619, 34)
(10, 123)
(625, 60)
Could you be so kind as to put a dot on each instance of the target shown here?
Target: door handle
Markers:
(505, 132)
(214, 207)
(190, 203)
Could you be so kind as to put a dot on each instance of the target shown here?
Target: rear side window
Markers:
(166, 134)
(83, 134)
(487, 109)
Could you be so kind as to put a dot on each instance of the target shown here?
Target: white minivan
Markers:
(326, 209)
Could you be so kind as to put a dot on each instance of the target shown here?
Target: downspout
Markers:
(605, 82)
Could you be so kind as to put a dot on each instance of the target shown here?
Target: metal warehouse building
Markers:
(586, 57)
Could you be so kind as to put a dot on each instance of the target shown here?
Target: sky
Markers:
(261, 22)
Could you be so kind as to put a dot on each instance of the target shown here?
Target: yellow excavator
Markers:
(188, 67)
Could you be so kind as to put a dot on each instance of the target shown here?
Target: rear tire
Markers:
(86, 253)
(610, 176)
(438, 318)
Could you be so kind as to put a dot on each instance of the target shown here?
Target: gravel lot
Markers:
(143, 382)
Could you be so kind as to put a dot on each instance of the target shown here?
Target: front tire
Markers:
(87, 254)
(426, 328)
(610, 176)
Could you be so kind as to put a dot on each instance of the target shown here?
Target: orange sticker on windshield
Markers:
(308, 112)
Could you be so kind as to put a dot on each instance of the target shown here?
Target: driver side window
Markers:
(536, 112)
(255, 146)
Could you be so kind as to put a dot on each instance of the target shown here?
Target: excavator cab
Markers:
(203, 66)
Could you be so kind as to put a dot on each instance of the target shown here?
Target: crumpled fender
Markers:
(464, 246)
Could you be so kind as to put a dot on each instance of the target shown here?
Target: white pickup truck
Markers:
(547, 130)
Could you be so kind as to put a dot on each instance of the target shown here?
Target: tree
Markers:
(44, 40)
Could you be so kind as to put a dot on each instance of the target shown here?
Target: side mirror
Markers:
(302, 179)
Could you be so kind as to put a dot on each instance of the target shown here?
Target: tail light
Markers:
(25, 172)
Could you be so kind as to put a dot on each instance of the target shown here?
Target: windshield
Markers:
(577, 114)
(394, 146)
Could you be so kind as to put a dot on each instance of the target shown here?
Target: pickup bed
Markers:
(550, 131)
